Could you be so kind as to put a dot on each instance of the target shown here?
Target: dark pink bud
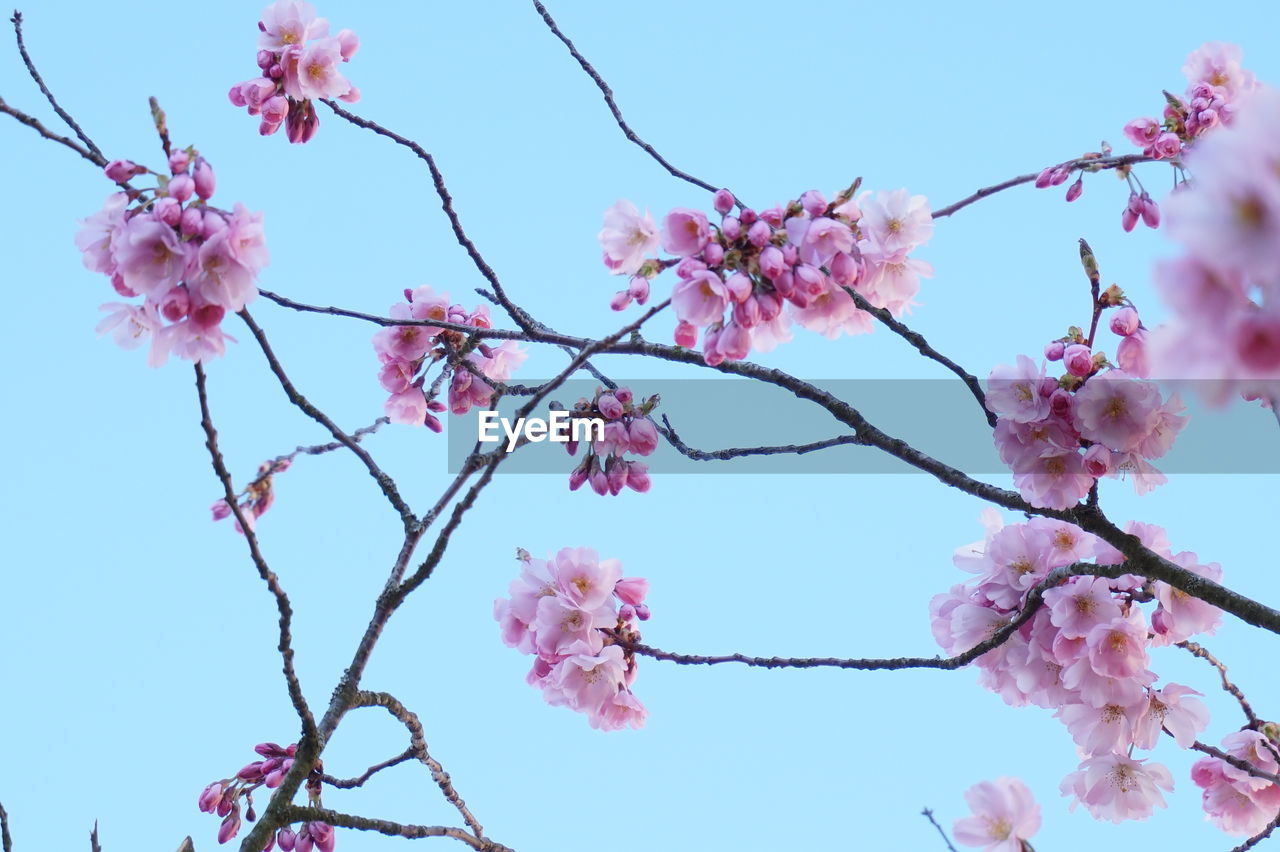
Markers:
(620, 301)
(1047, 386)
(626, 612)
(731, 227)
(1059, 176)
(1097, 461)
(1160, 621)
(1073, 191)
(747, 314)
(208, 316)
(773, 216)
(599, 479)
(273, 779)
(212, 794)
(168, 210)
(1053, 350)
(433, 423)
(230, 827)
(1124, 321)
(204, 178)
(322, 834)
(275, 109)
(266, 59)
(845, 270)
(121, 170)
(790, 254)
(576, 477)
(251, 772)
(686, 335)
(192, 222)
(748, 216)
(301, 123)
(117, 284)
(286, 838)
(771, 262)
(175, 304)
(181, 187)
(713, 254)
(269, 749)
(1150, 211)
(813, 203)
(1132, 211)
(1060, 403)
(236, 95)
(221, 510)
(638, 481)
(759, 234)
(810, 279)
(609, 406)
(723, 201)
(642, 612)
(434, 405)
(616, 471)
(624, 395)
(1078, 359)
(275, 72)
(1044, 178)
(178, 161)
(710, 349)
(739, 287)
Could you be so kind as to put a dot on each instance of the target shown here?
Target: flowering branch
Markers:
(418, 748)
(1259, 837)
(359, 780)
(268, 576)
(1090, 163)
(613, 106)
(1242, 765)
(294, 813)
(928, 814)
(385, 482)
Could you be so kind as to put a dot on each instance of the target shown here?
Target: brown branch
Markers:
(16, 20)
(418, 749)
(1203, 653)
(385, 482)
(1242, 765)
(668, 431)
(285, 645)
(613, 105)
(922, 346)
(359, 780)
(6, 841)
(314, 450)
(1033, 602)
(94, 845)
(34, 124)
(446, 203)
(294, 813)
(1088, 163)
(928, 814)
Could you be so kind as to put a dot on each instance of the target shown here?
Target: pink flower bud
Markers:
(251, 771)
(208, 316)
(616, 471)
(813, 203)
(731, 228)
(192, 222)
(713, 254)
(638, 481)
(1166, 146)
(175, 304)
(624, 395)
(773, 216)
(631, 590)
(748, 216)
(770, 306)
(168, 210)
(845, 269)
(771, 262)
(1078, 359)
(1124, 321)
(265, 59)
(181, 187)
(212, 794)
(1047, 386)
(609, 406)
(723, 201)
(599, 480)
(286, 838)
(1061, 403)
(230, 827)
(322, 833)
(122, 170)
(759, 234)
(639, 288)
(739, 287)
(178, 161)
(438, 407)
(433, 423)
(642, 435)
(236, 95)
(213, 223)
(1043, 179)
(1150, 211)
(350, 96)
(620, 300)
(688, 267)
(1097, 461)
(642, 612)
(734, 342)
(627, 612)
(747, 313)
(301, 124)
(1059, 176)
(204, 178)
(810, 279)
(577, 476)
(117, 284)
(1129, 218)
(710, 351)
(1073, 191)
(686, 335)
(220, 510)
(275, 72)
(1053, 350)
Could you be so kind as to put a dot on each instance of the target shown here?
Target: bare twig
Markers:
(16, 20)
(385, 482)
(34, 123)
(359, 780)
(668, 431)
(418, 748)
(268, 576)
(1091, 163)
(613, 105)
(1259, 837)
(293, 813)
(928, 814)
(313, 450)
(1203, 653)
(6, 841)
(94, 845)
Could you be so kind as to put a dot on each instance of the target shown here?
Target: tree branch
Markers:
(16, 20)
(1259, 837)
(668, 431)
(294, 813)
(385, 482)
(1088, 163)
(1201, 652)
(6, 841)
(928, 814)
(285, 645)
(359, 780)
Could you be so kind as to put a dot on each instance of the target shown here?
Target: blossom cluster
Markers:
(1005, 814)
(1085, 652)
(627, 429)
(742, 283)
(257, 496)
(1059, 435)
(1224, 289)
(299, 63)
(1215, 83)
(565, 610)
(1234, 800)
(223, 798)
(406, 351)
(191, 262)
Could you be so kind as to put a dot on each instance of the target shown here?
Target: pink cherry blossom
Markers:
(1013, 392)
(627, 237)
(1116, 788)
(1004, 815)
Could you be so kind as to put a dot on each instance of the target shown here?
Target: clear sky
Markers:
(136, 642)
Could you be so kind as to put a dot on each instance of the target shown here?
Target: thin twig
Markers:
(385, 482)
(684, 449)
(613, 105)
(268, 576)
(1242, 765)
(16, 20)
(418, 748)
(1203, 653)
(359, 780)
(276, 463)
(294, 813)
(1091, 163)
(34, 123)
(928, 814)
(94, 845)
(6, 841)
(1259, 837)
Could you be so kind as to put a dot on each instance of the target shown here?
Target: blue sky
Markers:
(138, 644)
